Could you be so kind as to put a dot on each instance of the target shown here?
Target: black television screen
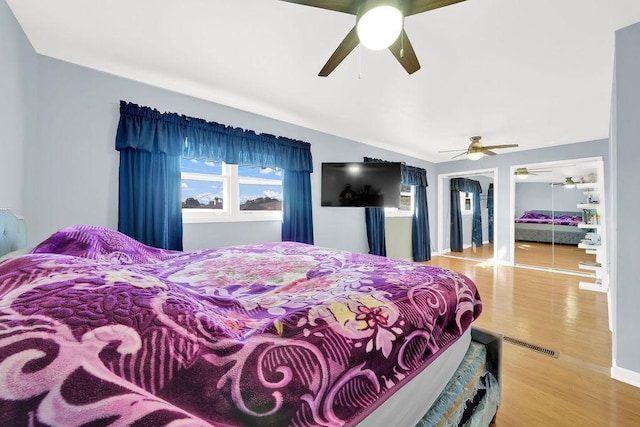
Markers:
(361, 184)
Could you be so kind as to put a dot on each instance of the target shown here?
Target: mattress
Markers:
(408, 405)
(97, 327)
(549, 233)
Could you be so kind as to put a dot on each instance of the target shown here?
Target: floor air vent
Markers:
(543, 350)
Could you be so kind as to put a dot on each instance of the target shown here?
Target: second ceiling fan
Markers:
(477, 150)
(379, 24)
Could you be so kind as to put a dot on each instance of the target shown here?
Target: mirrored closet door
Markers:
(466, 210)
(556, 209)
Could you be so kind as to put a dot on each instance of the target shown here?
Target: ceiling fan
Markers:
(476, 150)
(379, 24)
(523, 173)
(568, 183)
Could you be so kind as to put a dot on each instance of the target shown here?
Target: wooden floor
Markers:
(547, 309)
(543, 255)
(546, 255)
(483, 252)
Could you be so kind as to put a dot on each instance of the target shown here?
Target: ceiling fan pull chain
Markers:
(402, 39)
(359, 62)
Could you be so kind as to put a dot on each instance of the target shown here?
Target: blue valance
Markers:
(420, 237)
(145, 129)
(151, 145)
(414, 176)
(466, 185)
(411, 175)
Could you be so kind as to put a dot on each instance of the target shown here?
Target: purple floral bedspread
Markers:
(97, 329)
(540, 218)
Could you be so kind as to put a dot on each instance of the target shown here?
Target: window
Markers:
(406, 203)
(213, 192)
(466, 203)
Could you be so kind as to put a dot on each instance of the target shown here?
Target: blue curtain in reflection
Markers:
(151, 144)
(459, 185)
(490, 212)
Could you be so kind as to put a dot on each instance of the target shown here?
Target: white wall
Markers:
(18, 89)
(543, 196)
(76, 164)
(626, 150)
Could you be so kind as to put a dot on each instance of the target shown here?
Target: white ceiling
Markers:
(532, 72)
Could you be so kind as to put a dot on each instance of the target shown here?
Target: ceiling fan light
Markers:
(380, 25)
(569, 183)
(475, 155)
(522, 174)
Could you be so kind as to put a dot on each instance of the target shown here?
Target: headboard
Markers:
(555, 213)
(13, 232)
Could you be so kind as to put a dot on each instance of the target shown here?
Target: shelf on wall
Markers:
(590, 249)
(585, 225)
(588, 205)
(593, 286)
(587, 185)
(593, 266)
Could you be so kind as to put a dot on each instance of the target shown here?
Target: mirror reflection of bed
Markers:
(549, 225)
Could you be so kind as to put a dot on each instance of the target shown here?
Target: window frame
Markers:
(396, 212)
(231, 198)
(463, 196)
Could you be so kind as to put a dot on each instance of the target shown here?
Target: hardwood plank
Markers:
(548, 309)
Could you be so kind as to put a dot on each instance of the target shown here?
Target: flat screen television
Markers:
(371, 185)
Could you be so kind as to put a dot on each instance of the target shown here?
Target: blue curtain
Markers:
(490, 212)
(149, 198)
(146, 130)
(297, 221)
(420, 237)
(459, 185)
(374, 219)
(456, 221)
(476, 229)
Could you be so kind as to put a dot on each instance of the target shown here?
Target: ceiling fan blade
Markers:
(419, 6)
(404, 53)
(491, 147)
(460, 155)
(344, 48)
(350, 7)
(488, 152)
(451, 151)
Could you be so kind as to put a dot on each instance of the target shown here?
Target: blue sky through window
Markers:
(206, 191)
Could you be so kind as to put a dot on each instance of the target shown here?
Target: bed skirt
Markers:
(472, 396)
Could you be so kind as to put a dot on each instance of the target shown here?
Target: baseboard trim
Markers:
(626, 376)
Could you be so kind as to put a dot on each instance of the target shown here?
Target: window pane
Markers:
(405, 202)
(255, 197)
(200, 166)
(202, 194)
(258, 172)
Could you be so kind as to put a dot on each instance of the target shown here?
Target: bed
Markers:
(98, 329)
(546, 226)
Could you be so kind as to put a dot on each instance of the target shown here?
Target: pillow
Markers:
(102, 244)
